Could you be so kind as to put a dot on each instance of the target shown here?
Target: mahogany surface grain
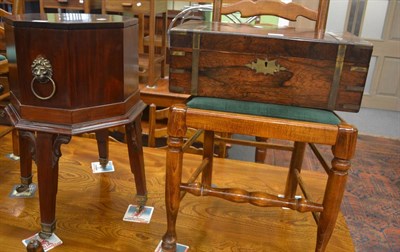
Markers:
(90, 207)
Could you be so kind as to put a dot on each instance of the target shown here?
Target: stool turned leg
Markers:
(151, 76)
(47, 155)
(209, 154)
(135, 152)
(176, 132)
(102, 146)
(261, 153)
(27, 148)
(343, 151)
(295, 164)
(222, 146)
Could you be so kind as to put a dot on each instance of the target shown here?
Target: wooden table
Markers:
(91, 207)
(160, 95)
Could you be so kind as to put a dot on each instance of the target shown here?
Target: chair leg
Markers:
(176, 132)
(295, 164)
(343, 151)
(164, 44)
(151, 142)
(222, 146)
(261, 153)
(332, 199)
(209, 154)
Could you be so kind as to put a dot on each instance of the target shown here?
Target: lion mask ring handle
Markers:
(42, 72)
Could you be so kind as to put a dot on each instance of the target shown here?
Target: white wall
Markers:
(337, 15)
(368, 121)
(375, 122)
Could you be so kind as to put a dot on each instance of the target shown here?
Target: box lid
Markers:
(266, 31)
(270, 40)
(70, 21)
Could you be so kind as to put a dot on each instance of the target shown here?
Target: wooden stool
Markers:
(270, 83)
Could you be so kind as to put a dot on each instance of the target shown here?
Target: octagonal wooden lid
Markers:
(71, 21)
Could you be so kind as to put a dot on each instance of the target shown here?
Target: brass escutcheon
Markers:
(266, 66)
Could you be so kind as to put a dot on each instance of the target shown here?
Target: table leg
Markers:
(102, 146)
(26, 149)
(15, 140)
(47, 155)
(135, 151)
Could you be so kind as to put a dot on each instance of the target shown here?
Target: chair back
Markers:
(16, 8)
(289, 11)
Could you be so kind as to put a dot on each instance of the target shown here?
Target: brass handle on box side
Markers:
(42, 72)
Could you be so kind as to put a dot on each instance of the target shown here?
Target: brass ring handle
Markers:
(43, 97)
(42, 71)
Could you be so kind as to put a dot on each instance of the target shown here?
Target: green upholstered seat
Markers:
(2, 57)
(265, 109)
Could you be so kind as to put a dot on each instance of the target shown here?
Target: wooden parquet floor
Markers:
(90, 207)
(371, 205)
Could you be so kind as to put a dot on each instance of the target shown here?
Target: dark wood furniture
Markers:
(263, 118)
(66, 85)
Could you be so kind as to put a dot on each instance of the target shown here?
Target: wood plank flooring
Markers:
(90, 207)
